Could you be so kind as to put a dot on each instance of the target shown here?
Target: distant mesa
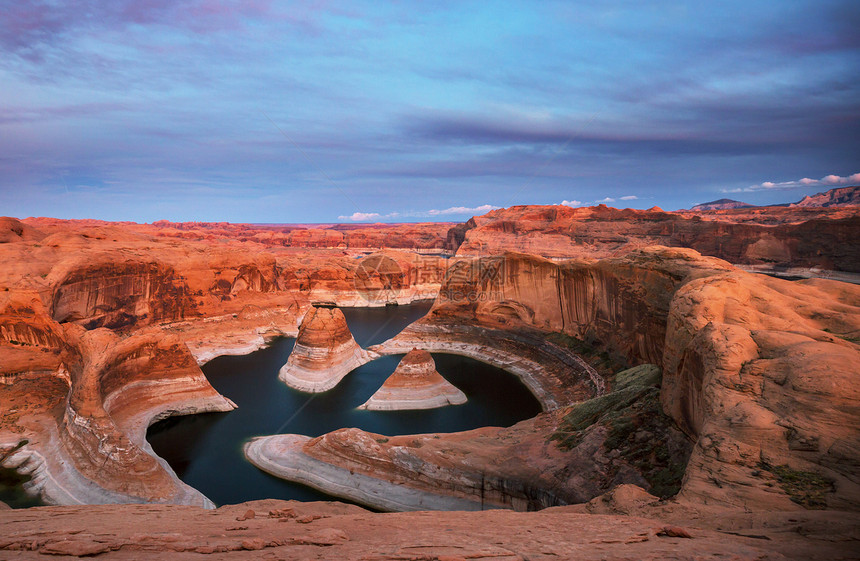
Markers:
(722, 204)
(842, 196)
(324, 353)
(415, 384)
(13, 230)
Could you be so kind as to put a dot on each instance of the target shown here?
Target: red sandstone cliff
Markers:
(817, 238)
(759, 372)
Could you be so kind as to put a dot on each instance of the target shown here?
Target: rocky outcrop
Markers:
(763, 373)
(118, 295)
(720, 204)
(13, 230)
(520, 467)
(415, 384)
(324, 353)
(841, 196)
(296, 530)
(75, 295)
(618, 304)
(555, 374)
(758, 371)
(76, 405)
(819, 238)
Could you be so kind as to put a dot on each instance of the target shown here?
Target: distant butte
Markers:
(415, 384)
(721, 204)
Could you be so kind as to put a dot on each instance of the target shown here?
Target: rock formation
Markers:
(324, 353)
(519, 467)
(76, 405)
(102, 327)
(807, 238)
(623, 525)
(841, 196)
(415, 384)
(97, 320)
(720, 204)
(758, 371)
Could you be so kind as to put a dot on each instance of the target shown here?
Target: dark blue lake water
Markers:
(206, 450)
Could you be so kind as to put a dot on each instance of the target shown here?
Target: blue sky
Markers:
(262, 111)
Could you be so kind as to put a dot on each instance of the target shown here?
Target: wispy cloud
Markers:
(826, 181)
(452, 211)
(361, 216)
(575, 203)
(483, 209)
(571, 203)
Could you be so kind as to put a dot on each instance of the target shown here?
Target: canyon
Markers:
(678, 387)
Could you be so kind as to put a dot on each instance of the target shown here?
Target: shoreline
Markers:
(282, 456)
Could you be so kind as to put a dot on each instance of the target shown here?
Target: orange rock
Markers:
(415, 384)
(324, 353)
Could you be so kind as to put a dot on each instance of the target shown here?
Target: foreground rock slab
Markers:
(415, 384)
(295, 530)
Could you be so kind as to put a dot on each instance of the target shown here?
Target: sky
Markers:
(313, 111)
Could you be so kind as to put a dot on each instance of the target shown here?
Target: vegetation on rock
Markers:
(637, 429)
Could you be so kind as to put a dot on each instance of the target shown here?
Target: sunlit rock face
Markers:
(415, 384)
(779, 237)
(324, 353)
(76, 405)
(763, 373)
(759, 372)
(117, 294)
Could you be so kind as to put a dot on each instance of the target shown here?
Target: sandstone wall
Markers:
(821, 238)
(760, 372)
(619, 304)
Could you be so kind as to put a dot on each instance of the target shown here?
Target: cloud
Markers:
(483, 209)
(629, 198)
(827, 181)
(361, 216)
(606, 200)
(365, 216)
(567, 134)
(571, 203)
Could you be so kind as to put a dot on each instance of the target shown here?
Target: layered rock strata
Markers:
(77, 405)
(554, 374)
(521, 467)
(415, 384)
(777, 238)
(324, 353)
(759, 372)
(82, 301)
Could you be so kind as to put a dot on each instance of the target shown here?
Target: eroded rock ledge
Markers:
(415, 384)
(622, 526)
(554, 374)
(78, 403)
(521, 467)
